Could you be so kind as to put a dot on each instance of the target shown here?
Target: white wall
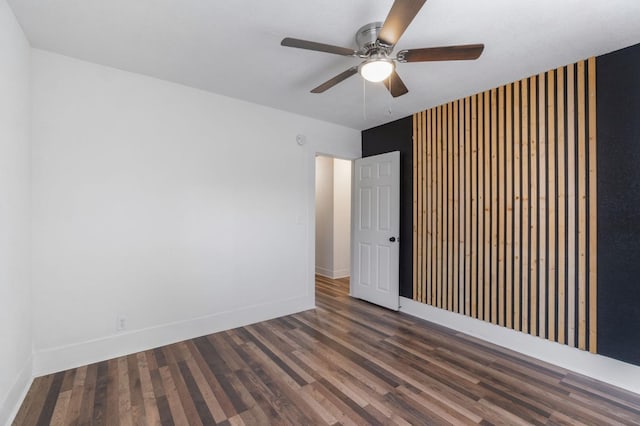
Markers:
(333, 217)
(15, 288)
(324, 216)
(341, 218)
(185, 211)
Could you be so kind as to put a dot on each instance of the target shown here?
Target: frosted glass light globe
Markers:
(376, 70)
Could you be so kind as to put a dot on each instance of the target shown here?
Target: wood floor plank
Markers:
(33, 402)
(346, 362)
(51, 398)
(124, 393)
(60, 411)
(112, 398)
(138, 413)
(177, 411)
(148, 396)
(164, 410)
(98, 417)
(62, 402)
(196, 395)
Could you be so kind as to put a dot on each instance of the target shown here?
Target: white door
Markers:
(375, 228)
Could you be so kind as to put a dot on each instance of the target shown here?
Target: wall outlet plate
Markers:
(121, 323)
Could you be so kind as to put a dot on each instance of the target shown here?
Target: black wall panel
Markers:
(398, 136)
(618, 112)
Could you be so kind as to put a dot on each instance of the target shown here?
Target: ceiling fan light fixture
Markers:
(376, 69)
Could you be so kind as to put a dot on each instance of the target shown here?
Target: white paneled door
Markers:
(375, 222)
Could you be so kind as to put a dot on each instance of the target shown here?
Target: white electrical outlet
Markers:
(121, 323)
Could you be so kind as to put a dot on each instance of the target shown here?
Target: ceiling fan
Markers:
(375, 44)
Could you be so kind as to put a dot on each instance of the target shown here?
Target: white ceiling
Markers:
(233, 47)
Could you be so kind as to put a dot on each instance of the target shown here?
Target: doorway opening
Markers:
(333, 222)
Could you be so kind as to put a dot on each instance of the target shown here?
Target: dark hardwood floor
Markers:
(346, 362)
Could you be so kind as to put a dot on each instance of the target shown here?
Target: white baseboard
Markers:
(51, 360)
(334, 275)
(16, 394)
(617, 373)
(324, 272)
(341, 273)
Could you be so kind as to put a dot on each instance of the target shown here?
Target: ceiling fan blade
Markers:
(395, 85)
(446, 53)
(400, 16)
(318, 47)
(335, 80)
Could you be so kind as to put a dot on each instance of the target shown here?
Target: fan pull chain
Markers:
(389, 100)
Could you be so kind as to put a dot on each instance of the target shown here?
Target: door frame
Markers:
(311, 257)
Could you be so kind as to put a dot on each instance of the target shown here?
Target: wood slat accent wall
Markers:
(505, 206)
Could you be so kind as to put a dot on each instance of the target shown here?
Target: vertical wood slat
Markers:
(542, 208)
(446, 215)
(425, 264)
(439, 216)
(463, 188)
(561, 207)
(419, 207)
(500, 157)
(425, 211)
(434, 206)
(459, 234)
(533, 206)
(442, 289)
(425, 207)
(487, 209)
(593, 207)
(509, 182)
(571, 209)
(517, 208)
(416, 234)
(465, 209)
(450, 205)
(421, 172)
(551, 129)
(445, 211)
(494, 207)
(582, 213)
(473, 283)
(450, 208)
(526, 231)
(426, 296)
(456, 207)
(469, 279)
(480, 206)
(505, 190)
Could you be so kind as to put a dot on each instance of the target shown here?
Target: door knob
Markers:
(392, 239)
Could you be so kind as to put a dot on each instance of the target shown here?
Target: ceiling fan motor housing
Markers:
(367, 40)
